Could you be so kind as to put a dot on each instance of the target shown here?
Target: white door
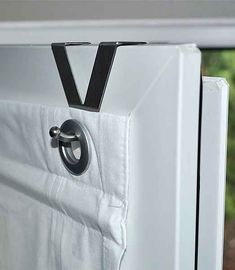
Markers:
(118, 186)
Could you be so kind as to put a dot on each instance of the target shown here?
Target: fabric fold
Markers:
(59, 220)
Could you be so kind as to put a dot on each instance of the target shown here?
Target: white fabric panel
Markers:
(50, 219)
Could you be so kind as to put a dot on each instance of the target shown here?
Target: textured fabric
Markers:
(50, 219)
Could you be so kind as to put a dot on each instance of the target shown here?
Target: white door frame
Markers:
(206, 33)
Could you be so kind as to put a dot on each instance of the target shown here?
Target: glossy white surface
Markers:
(29, 73)
(213, 173)
(163, 168)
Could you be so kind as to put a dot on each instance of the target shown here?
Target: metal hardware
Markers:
(65, 71)
(99, 77)
(73, 145)
(56, 133)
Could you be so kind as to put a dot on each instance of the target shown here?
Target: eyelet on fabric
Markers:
(68, 221)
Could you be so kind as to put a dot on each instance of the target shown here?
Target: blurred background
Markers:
(221, 63)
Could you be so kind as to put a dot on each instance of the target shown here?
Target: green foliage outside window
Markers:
(221, 63)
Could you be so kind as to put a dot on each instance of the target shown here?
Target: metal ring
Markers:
(74, 164)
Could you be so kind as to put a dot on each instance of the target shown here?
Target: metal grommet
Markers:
(73, 145)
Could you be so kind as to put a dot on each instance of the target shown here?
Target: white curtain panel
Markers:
(50, 219)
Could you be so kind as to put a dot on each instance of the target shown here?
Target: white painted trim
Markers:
(133, 23)
(204, 32)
